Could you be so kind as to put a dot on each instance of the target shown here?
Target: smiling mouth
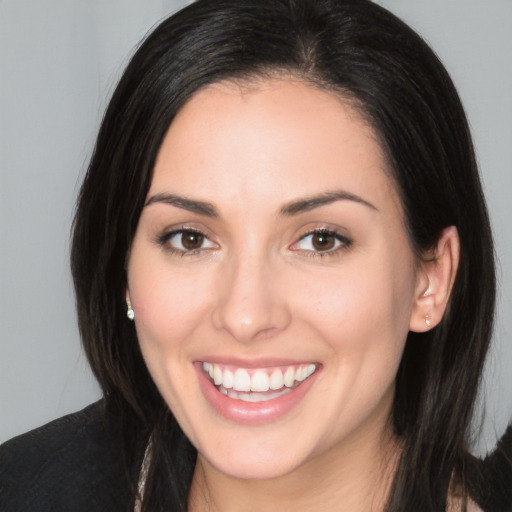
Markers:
(258, 385)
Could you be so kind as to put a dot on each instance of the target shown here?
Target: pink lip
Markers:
(254, 363)
(252, 413)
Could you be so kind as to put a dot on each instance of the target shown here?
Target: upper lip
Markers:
(261, 362)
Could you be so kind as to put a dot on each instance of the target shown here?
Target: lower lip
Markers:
(252, 413)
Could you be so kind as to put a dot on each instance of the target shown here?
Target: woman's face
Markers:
(272, 278)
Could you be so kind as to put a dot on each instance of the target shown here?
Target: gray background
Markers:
(59, 60)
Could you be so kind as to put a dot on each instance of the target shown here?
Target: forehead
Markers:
(231, 139)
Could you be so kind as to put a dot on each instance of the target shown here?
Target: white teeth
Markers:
(276, 379)
(229, 379)
(217, 375)
(232, 394)
(253, 397)
(310, 370)
(260, 381)
(289, 377)
(304, 372)
(242, 381)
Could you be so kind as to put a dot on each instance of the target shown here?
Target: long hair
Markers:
(365, 54)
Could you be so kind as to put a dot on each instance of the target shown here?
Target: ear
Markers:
(436, 275)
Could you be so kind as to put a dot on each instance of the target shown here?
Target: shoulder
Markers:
(72, 463)
(489, 481)
(457, 505)
(473, 507)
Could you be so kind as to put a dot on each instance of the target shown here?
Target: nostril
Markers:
(249, 305)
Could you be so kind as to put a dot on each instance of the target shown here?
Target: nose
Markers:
(251, 301)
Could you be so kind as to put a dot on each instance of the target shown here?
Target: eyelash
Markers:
(342, 241)
(165, 239)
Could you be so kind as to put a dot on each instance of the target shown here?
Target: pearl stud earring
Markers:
(427, 321)
(129, 312)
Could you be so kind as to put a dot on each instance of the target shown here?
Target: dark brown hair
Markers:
(364, 52)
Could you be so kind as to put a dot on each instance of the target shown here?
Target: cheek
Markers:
(167, 302)
(168, 305)
(360, 307)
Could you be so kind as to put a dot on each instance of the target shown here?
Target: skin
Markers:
(258, 287)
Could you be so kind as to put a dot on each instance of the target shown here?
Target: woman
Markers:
(278, 279)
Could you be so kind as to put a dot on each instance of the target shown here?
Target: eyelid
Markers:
(167, 235)
(342, 241)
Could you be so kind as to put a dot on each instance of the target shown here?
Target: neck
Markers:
(355, 477)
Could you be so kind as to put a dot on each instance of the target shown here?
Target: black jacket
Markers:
(71, 464)
(74, 464)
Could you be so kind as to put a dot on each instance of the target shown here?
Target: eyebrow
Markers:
(192, 205)
(310, 203)
(293, 208)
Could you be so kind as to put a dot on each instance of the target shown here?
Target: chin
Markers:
(247, 465)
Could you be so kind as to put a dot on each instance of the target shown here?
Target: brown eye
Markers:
(323, 241)
(185, 241)
(192, 240)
